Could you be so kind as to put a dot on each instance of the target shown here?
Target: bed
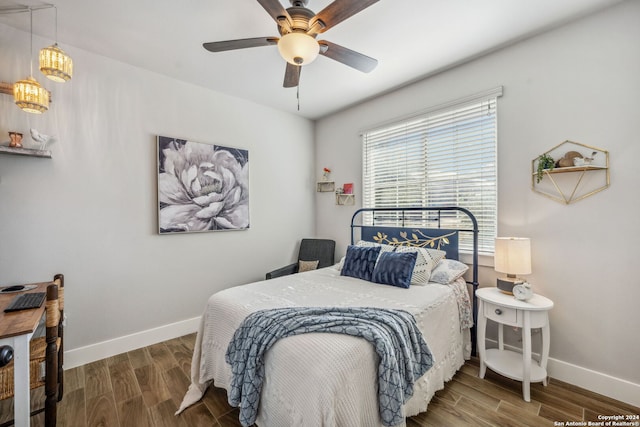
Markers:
(328, 379)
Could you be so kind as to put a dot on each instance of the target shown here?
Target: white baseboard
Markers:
(616, 388)
(91, 353)
(597, 382)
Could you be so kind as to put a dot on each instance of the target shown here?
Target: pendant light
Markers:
(54, 63)
(27, 93)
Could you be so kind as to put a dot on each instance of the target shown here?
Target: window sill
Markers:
(484, 260)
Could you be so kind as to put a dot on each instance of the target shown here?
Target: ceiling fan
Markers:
(298, 28)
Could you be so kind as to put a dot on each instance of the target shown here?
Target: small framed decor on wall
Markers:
(201, 187)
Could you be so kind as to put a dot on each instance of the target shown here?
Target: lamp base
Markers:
(506, 284)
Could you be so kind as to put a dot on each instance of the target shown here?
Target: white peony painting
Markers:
(201, 187)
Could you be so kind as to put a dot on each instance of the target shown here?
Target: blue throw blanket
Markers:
(404, 355)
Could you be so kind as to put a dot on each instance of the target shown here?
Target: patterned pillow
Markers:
(447, 271)
(425, 262)
(307, 266)
(360, 262)
(395, 269)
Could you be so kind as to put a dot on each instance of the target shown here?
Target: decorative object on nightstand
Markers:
(522, 291)
(512, 256)
(528, 315)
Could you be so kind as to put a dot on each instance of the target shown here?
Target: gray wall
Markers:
(580, 83)
(91, 211)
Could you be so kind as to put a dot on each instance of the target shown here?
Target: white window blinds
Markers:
(443, 157)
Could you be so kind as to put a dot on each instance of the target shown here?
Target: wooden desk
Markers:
(16, 329)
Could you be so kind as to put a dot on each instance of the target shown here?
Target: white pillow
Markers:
(448, 270)
(426, 261)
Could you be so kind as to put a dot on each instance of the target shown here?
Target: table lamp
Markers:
(512, 256)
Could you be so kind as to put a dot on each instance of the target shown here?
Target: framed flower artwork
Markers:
(201, 187)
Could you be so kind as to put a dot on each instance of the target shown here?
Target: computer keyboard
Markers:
(26, 301)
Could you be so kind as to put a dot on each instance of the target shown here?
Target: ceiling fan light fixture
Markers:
(298, 48)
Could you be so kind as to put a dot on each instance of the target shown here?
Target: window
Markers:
(443, 157)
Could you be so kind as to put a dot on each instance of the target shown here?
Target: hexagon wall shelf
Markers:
(574, 180)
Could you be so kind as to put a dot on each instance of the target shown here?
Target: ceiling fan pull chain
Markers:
(298, 96)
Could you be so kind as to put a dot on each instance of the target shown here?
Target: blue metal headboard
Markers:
(445, 239)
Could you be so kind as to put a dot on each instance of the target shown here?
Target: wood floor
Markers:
(144, 388)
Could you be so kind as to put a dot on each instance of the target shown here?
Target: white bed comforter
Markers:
(323, 379)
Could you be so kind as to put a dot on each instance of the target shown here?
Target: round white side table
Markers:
(506, 310)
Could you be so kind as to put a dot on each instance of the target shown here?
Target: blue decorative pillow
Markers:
(360, 262)
(395, 268)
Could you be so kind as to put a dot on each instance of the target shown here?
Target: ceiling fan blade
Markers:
(239, 44)
(347, 56)
(275, 9)
(292, 75)
(340, 10)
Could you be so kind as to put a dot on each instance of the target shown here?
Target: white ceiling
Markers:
(410, 38)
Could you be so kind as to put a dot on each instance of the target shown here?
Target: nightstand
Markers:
(506, 310)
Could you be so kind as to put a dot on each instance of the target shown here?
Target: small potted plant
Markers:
(545, 161)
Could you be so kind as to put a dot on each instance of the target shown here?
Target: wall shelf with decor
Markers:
(570, 171)
(345, 199)
(25, 152)
(325, 186)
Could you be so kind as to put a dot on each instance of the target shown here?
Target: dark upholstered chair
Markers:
(321, 250)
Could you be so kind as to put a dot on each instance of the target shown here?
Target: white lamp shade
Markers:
(513, 255)
(298, 48)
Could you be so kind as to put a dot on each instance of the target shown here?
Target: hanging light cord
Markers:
(31, 31)
(56, 32)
